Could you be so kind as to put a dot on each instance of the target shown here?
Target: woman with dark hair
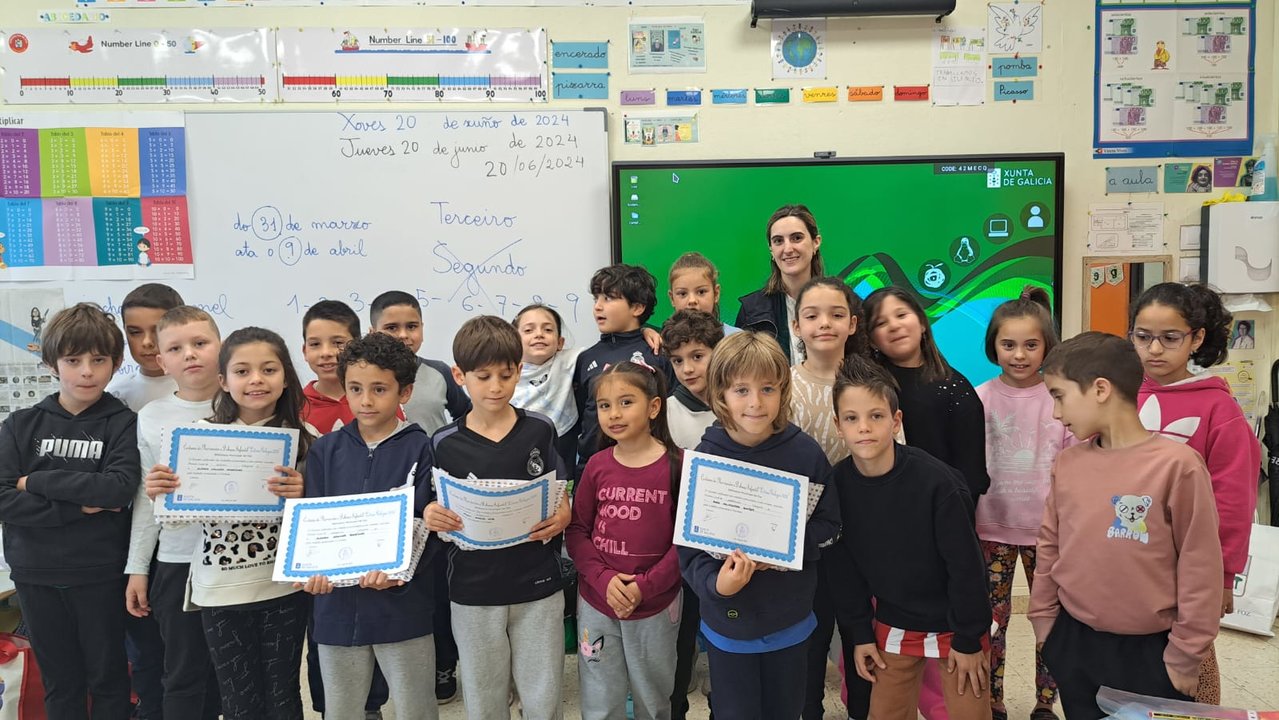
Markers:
(794, 245)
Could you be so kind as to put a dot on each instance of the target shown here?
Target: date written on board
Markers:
(282, 236)
(534, 166)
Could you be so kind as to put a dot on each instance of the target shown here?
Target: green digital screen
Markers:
(964, 234)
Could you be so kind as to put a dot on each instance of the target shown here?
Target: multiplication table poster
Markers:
(98, 196)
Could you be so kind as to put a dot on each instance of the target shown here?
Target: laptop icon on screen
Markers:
(997, 228)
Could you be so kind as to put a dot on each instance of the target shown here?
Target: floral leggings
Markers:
(1001, 561)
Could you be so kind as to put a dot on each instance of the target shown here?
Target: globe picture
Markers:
(799, 49)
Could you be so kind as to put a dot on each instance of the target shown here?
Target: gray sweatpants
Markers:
(409, 667)
(496, 643)
(613, 655)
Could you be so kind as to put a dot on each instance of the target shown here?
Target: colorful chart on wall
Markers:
(412, 64)
(137, 65)
(23, 314)
(93, 197)
(1174, 81)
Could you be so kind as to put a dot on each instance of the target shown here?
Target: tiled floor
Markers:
(1249, 665)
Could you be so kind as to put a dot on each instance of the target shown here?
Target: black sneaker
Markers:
(446, 685)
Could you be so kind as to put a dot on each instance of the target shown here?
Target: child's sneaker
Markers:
(446, 685)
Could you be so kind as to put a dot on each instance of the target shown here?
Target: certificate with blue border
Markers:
(496, 513)
(345, 537)
(726, 505)
(223, 470)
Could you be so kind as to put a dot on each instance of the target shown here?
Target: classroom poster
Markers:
(1174, 81)
(959, 66)
(366, 64)
(660, 129)
(137, 65)
(1015, 27)
(799, 49)
(1126, 229)
(97, 196)
(666, 45)
(23, 315)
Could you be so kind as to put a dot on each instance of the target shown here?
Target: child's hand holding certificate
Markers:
(496, 513)
(224, 472)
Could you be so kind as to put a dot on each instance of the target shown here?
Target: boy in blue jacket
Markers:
(389, 620)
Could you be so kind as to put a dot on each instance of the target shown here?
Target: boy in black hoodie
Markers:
(68, 473)
(624, 299)
(757, 619)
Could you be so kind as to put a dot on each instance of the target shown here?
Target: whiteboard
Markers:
(471, 212)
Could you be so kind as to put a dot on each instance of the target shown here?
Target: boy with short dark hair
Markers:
(437, 398)
(381, 621)
(930, 591)
(188, 344)
(688, 337)
(140, 312)
(1142, 502)
(507, 604)
(327, 327)
(625, 296)
(68, 472)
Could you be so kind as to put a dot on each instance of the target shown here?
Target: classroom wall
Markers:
(859, 51)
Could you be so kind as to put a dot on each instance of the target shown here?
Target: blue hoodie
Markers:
(773, 600)
(341, 463)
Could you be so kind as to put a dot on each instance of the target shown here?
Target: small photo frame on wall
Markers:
(1243, 335)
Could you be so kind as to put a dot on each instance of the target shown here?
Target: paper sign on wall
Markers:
(579, 55)
(959, 73)
(1014, 90)
(579, 86)
(729, 96)
(865, 93)
(1132, 179)
(1126, 229)
(1014, 67)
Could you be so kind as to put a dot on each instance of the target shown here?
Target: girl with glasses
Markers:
(1171, 325)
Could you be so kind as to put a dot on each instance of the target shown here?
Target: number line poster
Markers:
(1174, 81)
(93, 197)
(138, 65)
(412, 64)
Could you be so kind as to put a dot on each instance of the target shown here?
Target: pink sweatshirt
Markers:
(1201, 412)
(623, 522)
(1022, 441)
(1129, 546)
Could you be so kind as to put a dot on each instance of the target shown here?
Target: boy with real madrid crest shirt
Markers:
(507, 607)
